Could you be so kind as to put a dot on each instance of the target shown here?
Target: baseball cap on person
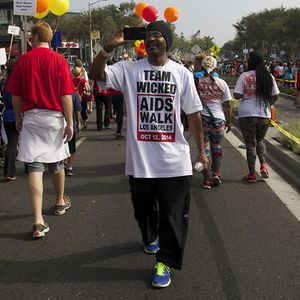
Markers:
(164, 29)
(209, 63)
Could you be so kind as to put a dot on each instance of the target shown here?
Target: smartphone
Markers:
(134, 33)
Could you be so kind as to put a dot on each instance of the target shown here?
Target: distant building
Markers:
(7, 18)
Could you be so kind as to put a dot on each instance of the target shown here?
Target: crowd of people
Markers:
(44, 109)
(285, 73)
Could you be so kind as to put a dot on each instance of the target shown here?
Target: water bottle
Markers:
(198, 167)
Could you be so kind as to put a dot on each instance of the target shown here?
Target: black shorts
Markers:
(72, 144)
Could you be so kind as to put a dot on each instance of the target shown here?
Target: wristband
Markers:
(105, 53)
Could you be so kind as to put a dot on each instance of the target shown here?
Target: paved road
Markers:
(243, 242)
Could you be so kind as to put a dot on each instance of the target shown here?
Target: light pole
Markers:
(90, 15)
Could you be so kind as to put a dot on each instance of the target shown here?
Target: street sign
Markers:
(25, 7)
(215, 49)
(97, 48)
(95, 35)
(245, 51)
(14, 30)
(196, 49)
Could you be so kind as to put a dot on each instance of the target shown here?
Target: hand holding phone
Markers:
(134, 33)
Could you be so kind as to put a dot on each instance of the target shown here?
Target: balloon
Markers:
(59, 7)
(150, 13)
(139, 8)
(142, 46)
(137, 43)
(171, 14)
(42, 6)
(42, 14)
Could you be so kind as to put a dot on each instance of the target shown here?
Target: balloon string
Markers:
(57, 24)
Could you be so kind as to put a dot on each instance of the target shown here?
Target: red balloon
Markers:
(150, 13)
(142, 46)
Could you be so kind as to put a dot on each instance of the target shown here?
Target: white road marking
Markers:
(286, 193)
(80, 141)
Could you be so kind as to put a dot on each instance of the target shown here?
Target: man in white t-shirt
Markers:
(158, 158)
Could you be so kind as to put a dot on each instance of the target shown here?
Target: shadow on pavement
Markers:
(79, 267)
(222, 261)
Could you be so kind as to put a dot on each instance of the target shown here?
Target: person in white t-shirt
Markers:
(216, 117)
(158, 158)
(258, 91)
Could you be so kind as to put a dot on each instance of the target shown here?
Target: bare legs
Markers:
(35, 185)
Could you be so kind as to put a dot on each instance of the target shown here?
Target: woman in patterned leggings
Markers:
(216, 117)
(258, 91)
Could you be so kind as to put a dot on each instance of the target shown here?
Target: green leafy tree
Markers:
(268, 31)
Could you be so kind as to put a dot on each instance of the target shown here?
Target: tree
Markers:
(269, 31)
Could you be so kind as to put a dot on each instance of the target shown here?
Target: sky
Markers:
(212, 17)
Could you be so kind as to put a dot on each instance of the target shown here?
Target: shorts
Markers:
(53, 168)
(72, 144)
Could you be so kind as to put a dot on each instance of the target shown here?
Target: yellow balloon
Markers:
(137, 43)
(59, 7)
(42, 14)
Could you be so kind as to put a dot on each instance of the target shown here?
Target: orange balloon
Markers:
(171, 14)
(139, 8)
(42, 5)
(42, 15)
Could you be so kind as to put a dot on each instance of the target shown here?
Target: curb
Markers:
(281, 159)
(287, 96)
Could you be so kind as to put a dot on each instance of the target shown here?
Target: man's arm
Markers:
(97, 68)
(68, 113)
(196, 127)
(17, 105)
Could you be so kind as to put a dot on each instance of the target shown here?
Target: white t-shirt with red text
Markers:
(154, 96)
(250, 105)
(214, 93)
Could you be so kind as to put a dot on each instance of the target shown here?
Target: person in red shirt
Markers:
(41, 85)
(80, 83)
(102, 97)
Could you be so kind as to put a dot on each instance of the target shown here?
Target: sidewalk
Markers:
(286, 162)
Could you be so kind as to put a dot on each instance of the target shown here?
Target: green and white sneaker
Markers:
(151, 248)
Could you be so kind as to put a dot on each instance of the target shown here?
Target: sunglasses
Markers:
(154, 34)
